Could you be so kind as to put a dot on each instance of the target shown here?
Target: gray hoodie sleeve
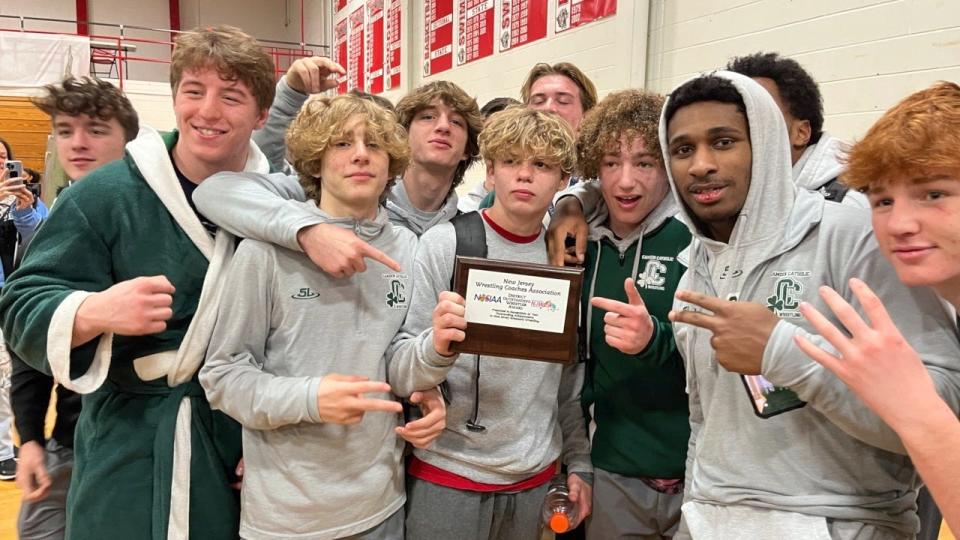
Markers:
(920, 317)
(576, 445)
(233, 375)
(271, 137)
(589, 194)
(413, 363)
(264, 207)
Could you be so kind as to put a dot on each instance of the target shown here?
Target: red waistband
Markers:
(435, 475)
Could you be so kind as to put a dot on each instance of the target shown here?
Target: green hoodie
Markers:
(636, 404)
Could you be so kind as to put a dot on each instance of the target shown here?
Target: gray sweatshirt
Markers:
(822, 162)
(282, 326)
(531, 409)
(286, 105)
(269, 207)
(833, 458)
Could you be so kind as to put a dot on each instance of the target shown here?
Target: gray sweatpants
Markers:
(46, 519)
(437, 513)
(625, 507)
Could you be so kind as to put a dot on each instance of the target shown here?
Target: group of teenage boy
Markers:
(274, 387)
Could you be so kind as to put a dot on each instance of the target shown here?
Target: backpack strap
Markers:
(834, 190)
(471, 235)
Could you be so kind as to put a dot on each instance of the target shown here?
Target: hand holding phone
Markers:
(14, 169)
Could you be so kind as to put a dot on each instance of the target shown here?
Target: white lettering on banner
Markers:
(479, 8)
(441, 22)
(446, 49)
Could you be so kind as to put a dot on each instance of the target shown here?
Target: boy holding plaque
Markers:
(634, 392)
(509, 419)
(297, 356)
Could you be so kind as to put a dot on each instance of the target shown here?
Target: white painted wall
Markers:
(866, 54)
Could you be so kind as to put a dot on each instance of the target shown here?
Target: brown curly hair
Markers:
(921, 133)
(518, 132)
(234, 54)
(92, 97)
(322, 121)
(457, 99)
(630, 114)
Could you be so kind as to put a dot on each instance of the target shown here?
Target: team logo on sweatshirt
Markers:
(654, 273)
(788, 291)
(396, 297)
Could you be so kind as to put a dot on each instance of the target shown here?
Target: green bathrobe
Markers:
(108, 228)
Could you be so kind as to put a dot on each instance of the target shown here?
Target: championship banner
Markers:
(375, 45)
(522, 22)
(392, 76)
(475, 30)
(355, 72)
(574, 13)
(341, 4)
(438, 36)
(340, 52)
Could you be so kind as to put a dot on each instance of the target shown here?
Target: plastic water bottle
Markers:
(558, 511)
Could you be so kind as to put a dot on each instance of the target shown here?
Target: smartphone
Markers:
(14, 168)
(769, 400)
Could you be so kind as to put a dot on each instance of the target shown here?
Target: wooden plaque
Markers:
(519, 310)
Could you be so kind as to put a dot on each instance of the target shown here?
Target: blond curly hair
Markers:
(518, 132)
(323, 120)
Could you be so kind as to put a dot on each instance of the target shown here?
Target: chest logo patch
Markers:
(396, 297)
(788, 292)
(653, 276)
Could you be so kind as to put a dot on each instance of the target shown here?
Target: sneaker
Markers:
(8, 469)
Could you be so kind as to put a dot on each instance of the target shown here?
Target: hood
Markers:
(771, 194)
(365, 229)
(403, 212)
(599, 229)
(820, 163)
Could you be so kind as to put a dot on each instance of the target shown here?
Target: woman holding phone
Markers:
(21, 214)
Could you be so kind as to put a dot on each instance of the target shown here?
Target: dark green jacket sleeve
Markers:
(68, 254)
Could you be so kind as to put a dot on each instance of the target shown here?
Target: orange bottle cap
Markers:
(559, 522)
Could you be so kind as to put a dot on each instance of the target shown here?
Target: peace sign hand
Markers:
(740, 329)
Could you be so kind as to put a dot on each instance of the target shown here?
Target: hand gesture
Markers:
(340, 398)
(449, 322)
(876, 362)
(312, 75)
(567, 222)
(740, 329)
(423, 431)
(32, 477)
(627, 327)
(136, 307)
(338, 252)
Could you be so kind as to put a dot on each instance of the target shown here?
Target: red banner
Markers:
(393, 45)
(475, 30)
(438, 36)
(521, 22)
(340, 52)
(374, 47)
(574, 13)
(341, 4)
(355, 72)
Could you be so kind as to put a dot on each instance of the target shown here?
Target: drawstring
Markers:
(472, 424)
(593, 286)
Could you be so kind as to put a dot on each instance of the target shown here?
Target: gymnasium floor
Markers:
(10, 503)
